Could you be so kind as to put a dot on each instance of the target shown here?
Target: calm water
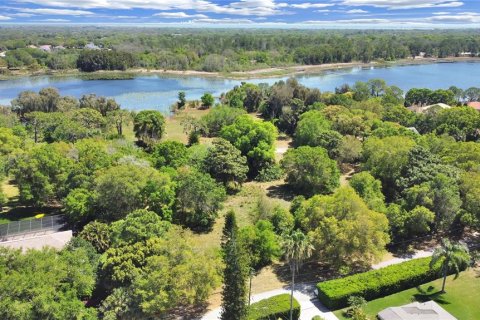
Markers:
(159, 92)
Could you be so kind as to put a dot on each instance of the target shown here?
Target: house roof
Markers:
(416, 311)
(474, 105)
(420, 109)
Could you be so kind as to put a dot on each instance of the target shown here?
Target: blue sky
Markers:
(248, 13)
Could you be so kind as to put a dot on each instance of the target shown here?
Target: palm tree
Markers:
(297, 248)
(454, 256)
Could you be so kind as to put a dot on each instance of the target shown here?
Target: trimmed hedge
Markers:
(375, 284)
(277, 307)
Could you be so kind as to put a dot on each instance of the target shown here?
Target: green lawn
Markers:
(462, 298)
(13, 211)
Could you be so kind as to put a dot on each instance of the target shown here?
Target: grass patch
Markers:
(173, 124)
(13, 211)
(461, 298)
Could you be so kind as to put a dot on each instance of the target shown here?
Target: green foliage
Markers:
(369, 189)
(94, 60)
(334, 294)
(349, 150)
(78, 205)
(46, 284)
(217, 118)
(140, 225)
(283, 221)
(234, 294)
(313, 130)
(125, 188)
(149, 126)
(261, 244)
(310, 171)
(386, 158)
(181, 100)
(199, 198)
(277, 307)
(151, 271)
(344, 230)
(460, 123)
(255, 139)
(98, 234)
(226, 164)
(41, 173)
(170, 154)
(270, 173)
(207, 100)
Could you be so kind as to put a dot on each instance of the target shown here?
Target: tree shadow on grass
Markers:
(282, 191)
(430, 293)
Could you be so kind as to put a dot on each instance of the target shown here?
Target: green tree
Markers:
(344, 231)
(226, 164)
(170, 154)
(220, 116)
(182, 101)
(261, 244)
(125, 188)
(207, 100)
(98, 234)
(311, 129)
(149, 126)
(234, 293)
(41, 173)
(369, 189)
(199, 198)
(46, 284)
(310, 171)
(386, 158)
(297, 247)
(255, 140)
(453, 257)
(119, 119)
(139, 225)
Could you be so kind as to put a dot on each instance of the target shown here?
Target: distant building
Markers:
(92, 46)
(32, 46)
(474, 104)
(46, 48)
(466, 54)
(423, 109)
(59, 48)
(416, 311)
(3, 54)
(413, 129)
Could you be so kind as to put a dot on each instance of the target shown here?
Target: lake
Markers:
(160, 91)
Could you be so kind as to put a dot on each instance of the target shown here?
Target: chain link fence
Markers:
(33, 226)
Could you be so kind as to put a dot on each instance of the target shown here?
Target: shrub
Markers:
(277, 307)
(334, 294)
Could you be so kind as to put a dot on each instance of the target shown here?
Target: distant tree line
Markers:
(222, 50)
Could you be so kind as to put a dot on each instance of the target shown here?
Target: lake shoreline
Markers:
(237, 75)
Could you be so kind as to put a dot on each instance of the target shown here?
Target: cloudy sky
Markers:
(248, 13)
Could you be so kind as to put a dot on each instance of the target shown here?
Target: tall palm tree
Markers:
(454, 256)
(297, 248)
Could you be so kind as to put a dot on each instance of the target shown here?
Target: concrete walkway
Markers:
(53, 239)
(396, 260)
(309, 304)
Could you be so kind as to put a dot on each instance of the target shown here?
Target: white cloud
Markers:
(178, 15)
(354, 11)
(223, 21)
(56, 12)
(241, 7)
(403, 4)
(462, 17)
(54, 20)
(308, 5)
(349, 21)
(2, 18)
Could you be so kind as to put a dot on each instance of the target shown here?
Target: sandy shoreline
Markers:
(256, 73)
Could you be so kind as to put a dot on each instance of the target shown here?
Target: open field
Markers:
(461, 298)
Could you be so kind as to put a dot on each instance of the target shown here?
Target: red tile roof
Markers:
(474, 105)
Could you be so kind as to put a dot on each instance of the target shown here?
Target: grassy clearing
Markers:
(461, 298)
(13, 211)
(174, 128)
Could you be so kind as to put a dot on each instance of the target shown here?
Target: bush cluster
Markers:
(277, 307)
(375, 284)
